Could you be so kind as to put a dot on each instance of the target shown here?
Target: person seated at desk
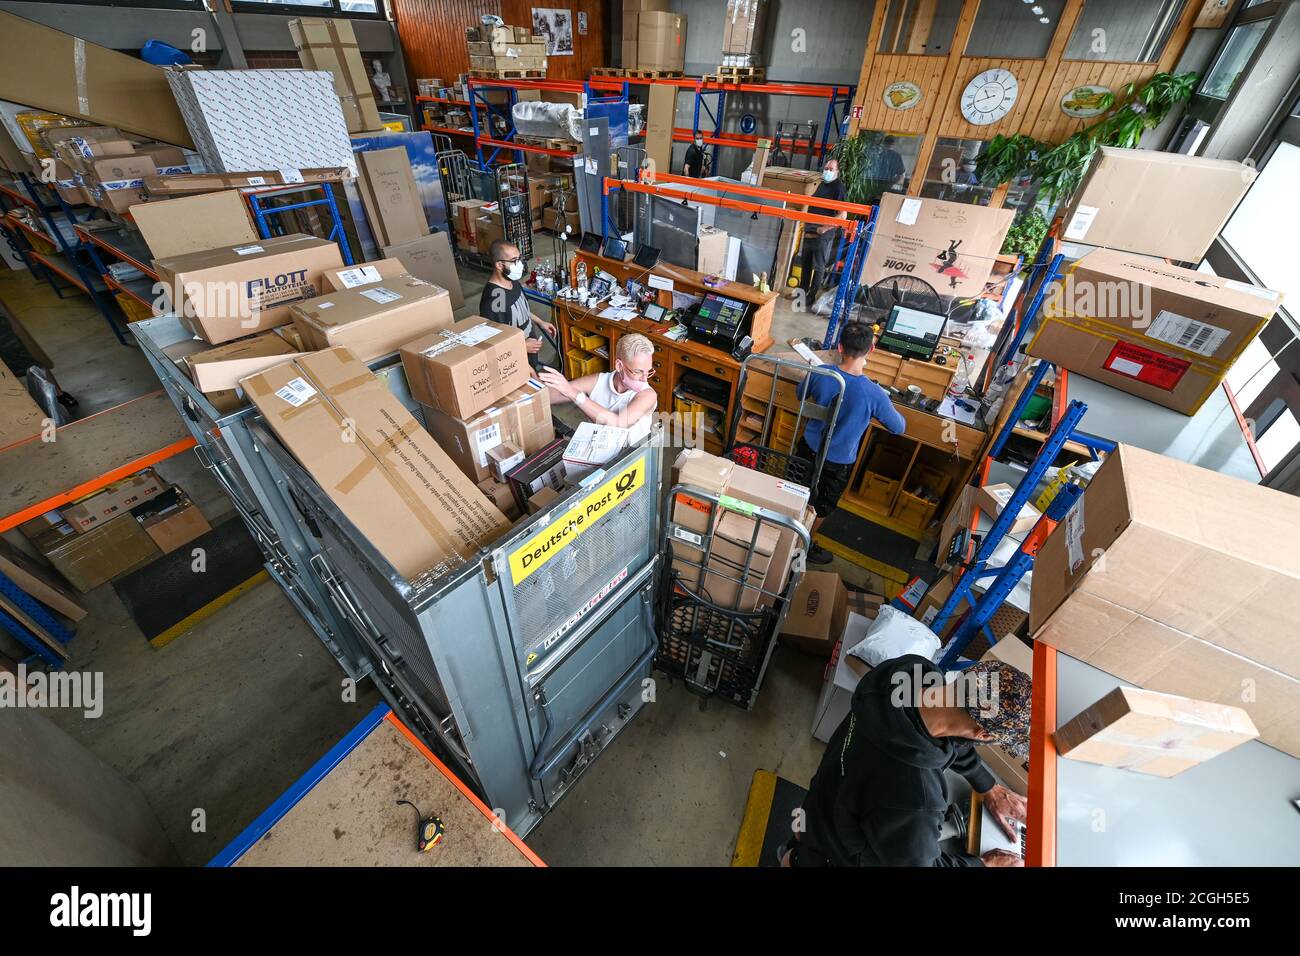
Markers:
(622, 397)
(879, 796)
(503, 298)
(863, 401)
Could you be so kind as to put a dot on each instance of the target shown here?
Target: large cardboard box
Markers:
(661, 41)
(743, 26)
(1161, 204)
(1180, 580)
(991, 499)
(367, 273)
(50, 70)
(390, 196)
(463, 369)
(101, 554)
(168, 225)
(522, 420)
(1160, 332)
(221, 368)
(661, 115)
(233, 291)
(391, 480)
(374, 320)
(1152, 733)
(331, 45)
(817, 615)
(711, 256)
(950, 245)
(118, 498)
(430, 258)
(20, 417)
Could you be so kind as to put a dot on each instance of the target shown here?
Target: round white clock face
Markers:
(989, 97)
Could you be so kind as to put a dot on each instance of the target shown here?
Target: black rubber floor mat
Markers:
(877, 543)
(174, 592)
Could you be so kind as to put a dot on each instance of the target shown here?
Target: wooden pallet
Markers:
(608, 71)
(547, 142)
(509, 74)
(737, 74)
(654, 74)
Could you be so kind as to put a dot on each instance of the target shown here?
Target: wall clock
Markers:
(902, 95)
(989, 97)
(1085, 101)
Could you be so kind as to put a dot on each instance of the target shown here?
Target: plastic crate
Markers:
(587, 340)
(582, 363)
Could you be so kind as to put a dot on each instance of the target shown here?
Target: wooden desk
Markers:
(582, 330)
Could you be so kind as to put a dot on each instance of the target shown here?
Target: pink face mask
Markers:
(634, 384)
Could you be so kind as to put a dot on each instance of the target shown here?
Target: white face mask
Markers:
(829, 175)
(515, 271)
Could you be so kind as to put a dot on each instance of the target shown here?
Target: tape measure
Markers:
(429, 830)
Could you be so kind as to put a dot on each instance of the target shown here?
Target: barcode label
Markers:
(485, 439)
(296, 392)
(689, 536)
(1199, 337)
(248, 250)
(257, 180)
(382, 296)
(1081, 222)
(361, 275)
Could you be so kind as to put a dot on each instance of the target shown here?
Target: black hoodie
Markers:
(879, 796)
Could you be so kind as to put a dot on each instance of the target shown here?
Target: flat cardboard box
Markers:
(912, 234)
(430, 258)
(466, 367)
(1160, 204)
(1157, 734)
(1011, 771)
(50, 70)
(188, 184)
(390, 196)
(176, 525)
(221, 368)
(331, 45)
(991, 499)
(374, 320)
(522, 420)
(1198, 593)
(168, 225)
(711, 257)
(392, 480)
(661, 116)
(117, 498)
(661, 40)
(367, 273)
(233, 291)
(817, 615)
(1160, 332)
(20, 417)
(88, 560)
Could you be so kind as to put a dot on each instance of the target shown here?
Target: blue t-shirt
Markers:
(863, 400)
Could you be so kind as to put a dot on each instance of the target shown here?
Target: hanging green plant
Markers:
(1026, 235)
(1059, 169)
(859, 159)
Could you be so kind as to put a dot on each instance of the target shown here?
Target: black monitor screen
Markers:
(912, 332)
(722, 311)
(590, 242)
(615, 248)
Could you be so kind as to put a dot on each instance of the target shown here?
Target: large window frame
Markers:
(334, 9)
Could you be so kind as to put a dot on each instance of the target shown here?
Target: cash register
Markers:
(718, 321)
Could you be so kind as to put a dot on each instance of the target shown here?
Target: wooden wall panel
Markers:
(952, 123)
(1054, 126)
(888, 68)
(432, 33)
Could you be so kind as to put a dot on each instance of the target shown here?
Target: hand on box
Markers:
(553, 379)
(1006, 806)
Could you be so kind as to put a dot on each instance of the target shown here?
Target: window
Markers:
(1014, 28)
(920, 26)
(1131, 31)
(886, 165)
(1263, 230)
(1233, 58)
(951, 174)
(355, 8)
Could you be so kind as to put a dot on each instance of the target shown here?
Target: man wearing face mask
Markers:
(820, 243)
(696, 158)
(622, 397)
(503, 298)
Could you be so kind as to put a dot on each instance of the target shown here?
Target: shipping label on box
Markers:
(464, 368)
(522, 420)
(117, 498)
(373, 320)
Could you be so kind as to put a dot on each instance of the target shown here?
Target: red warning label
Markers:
(1148, 367)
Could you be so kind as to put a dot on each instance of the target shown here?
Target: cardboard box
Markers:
(1157, 734)
(168, 225)
(818, 613)
(390, 196)
(233, 291)
(915, 236)
(20, 417)
(331, 45)
(105, 552)
(188, 184)
(592, 446)
(661, 41)
(521, 420)
(1160, 332)
(1198, 592)
(542, 499)
(502, 497)
(168, 160)
(661, 117)
(712, 254)
(367, 273)
(464, 213)
(1161, 204)
(627, 47)
(116, 499)
(503, 459)
(393, 481)
(551, 219)
(743, 26)
(487, 230)
(221, 368)
(1012, 771)
(117, 182)
(36, 581)
(172, 520)
(374, 320)
(840, 680)
(50, 70)
(542, 469)
(991, 499)
(430, 258)
(463, 369)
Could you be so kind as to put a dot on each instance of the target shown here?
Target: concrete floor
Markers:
(226, 717)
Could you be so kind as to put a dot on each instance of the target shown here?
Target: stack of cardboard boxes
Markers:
(331, 45)
(505, 50)
(654, 38)
(743, 26)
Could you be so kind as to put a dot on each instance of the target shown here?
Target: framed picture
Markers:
(557, 26)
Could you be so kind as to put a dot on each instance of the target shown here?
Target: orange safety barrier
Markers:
(526, 147)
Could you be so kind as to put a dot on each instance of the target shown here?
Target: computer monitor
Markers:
(615, 248)
(722, 312)
(590, 242)
(912, 333)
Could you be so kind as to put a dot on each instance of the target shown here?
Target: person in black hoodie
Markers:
(879, 796)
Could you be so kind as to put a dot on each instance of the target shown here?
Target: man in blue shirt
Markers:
(863, 401)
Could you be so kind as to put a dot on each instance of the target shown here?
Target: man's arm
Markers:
(971, 767)
(889, 416)
(910, 838)
(633, 412)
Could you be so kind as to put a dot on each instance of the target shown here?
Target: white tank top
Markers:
(603, 393)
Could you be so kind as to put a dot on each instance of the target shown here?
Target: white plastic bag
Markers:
(895, 634)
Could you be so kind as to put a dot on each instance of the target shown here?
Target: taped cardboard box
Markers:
(331, 45)
(118, 498)
(522, 419)
(390, 196)
(1160, 332)
(393, 481)
(367, 273)
(950, 245)
(991, 499)
(116, 183)
(1160, 204)
(743, 26)
(661, 41)
(221, 368)
(187, 184)
(1198, 593)
(168, 225)
(430, 258)
(105, 552)
(233, 291)
(374, 320)
(50, 70)
(172, 520)
(463, 369)
(1157, 734)
(818, 612)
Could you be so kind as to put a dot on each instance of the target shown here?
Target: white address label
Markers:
(382, 296)
(361, 275)
(1081, 222)
(296, 392)
(248, 250)
(1199, 337)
